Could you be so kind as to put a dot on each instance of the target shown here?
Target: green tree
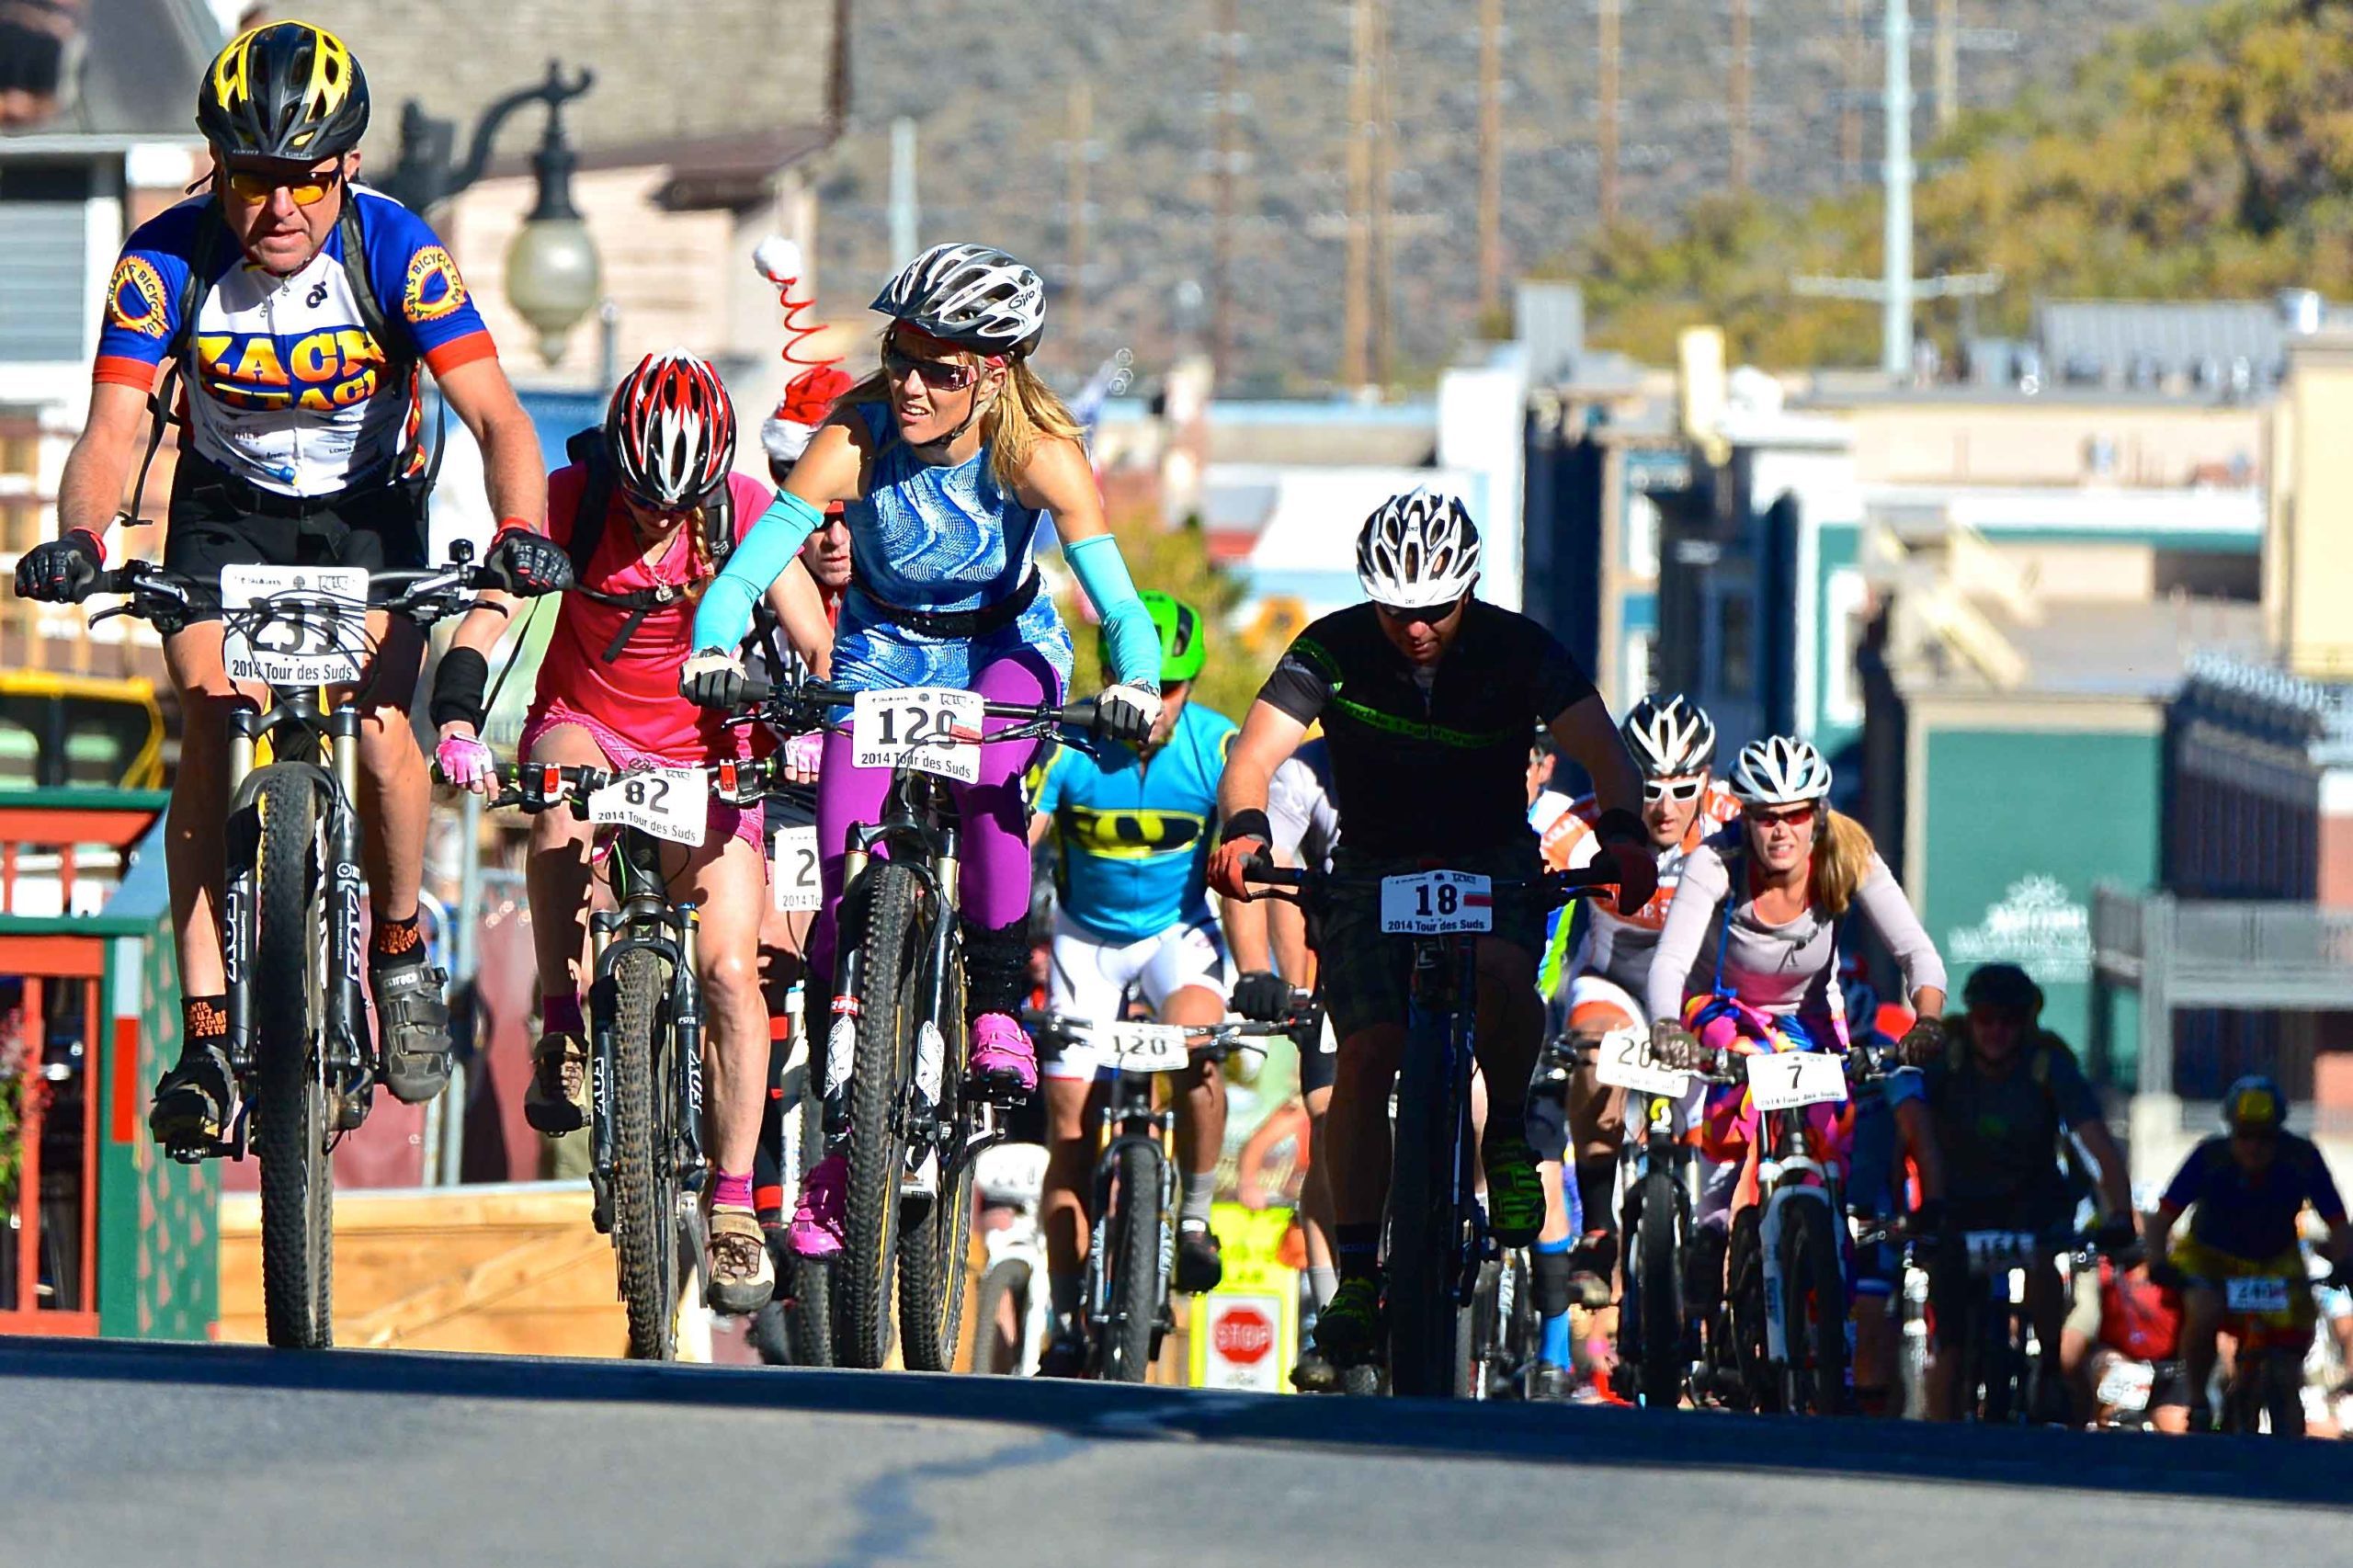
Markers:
(1176, 560)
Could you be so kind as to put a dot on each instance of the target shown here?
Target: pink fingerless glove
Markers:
(464, 761)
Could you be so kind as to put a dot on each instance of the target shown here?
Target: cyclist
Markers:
(2120, 1315)
(1801, 867)
(1892, 1129)
(2244, 1192)
(2007, 1095)
(1426, 694)
(948, 460)
(1674, 743)
(296, 305)
(649, 505)
(1131, 915)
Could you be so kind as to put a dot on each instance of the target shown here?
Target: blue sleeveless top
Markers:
(941, 538)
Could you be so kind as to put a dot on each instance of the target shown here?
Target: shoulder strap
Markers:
(160, 411)
(586, 447)
(373, 318)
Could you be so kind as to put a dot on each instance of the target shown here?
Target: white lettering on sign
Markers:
(2037, 926)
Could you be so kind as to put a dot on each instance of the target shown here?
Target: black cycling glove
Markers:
(1262, 996)
(721, 686)
(527, 562)
(60, 571)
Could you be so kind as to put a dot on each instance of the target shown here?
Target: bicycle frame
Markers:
(1787, 1174)
(1443, 1001)
(646, 920)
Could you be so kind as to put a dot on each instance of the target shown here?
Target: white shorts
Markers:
(1091, 978)
(1598, 989)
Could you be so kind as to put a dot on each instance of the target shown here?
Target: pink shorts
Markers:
(746, 822)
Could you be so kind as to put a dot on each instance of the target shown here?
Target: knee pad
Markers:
(996, 968)
(1551, 1271)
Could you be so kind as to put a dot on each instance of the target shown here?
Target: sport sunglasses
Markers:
(1655, 790)
(939, 375)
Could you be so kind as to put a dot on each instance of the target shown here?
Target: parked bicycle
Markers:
(305, 1060)
(1132, 1207)
(1436, 1237)
(646, 1166)
(896, 1096)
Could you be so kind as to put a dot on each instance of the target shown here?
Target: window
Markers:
(1641, 534)
(1843, 610)
(1736, 646)
(20, 526)
(42, 259)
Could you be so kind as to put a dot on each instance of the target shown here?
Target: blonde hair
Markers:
(1022, 414)
(1842, 858)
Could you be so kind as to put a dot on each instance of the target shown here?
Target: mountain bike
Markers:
(2000, 1380)
(1132, 1248)
(305, 1061)
(1436, 1237)
(1505, 1331)
(897, 1101)
(2266, 1389)
(646, 1167)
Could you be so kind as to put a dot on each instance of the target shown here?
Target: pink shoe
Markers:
(816, 1230)
(1002, 1053)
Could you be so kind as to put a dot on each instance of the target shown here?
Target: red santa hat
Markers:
(809, 397)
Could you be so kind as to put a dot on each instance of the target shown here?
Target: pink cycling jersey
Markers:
(635, 697)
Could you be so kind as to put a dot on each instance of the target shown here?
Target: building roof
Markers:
(2092, 648)
(710, 89)
(132, 77)
(2176, 335)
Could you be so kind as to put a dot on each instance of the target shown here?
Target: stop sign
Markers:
(1244, 1334)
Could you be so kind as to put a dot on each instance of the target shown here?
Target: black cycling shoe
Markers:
(1548, 1385)
(1200, 1260)
(413, 1020)
(1315, 1373)
(196, 1102)
(1064, 1356)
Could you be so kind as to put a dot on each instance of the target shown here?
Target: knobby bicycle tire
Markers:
(1428, 1356)
(932, 1250)
(1008, 1281)
(1744, 1307)
(290, 1114)
(892, 950)
(1658, 1263)
(1131, 1252)
(1814, 1311)
(644, 1179)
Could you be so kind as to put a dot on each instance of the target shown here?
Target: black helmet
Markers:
(284, 90)
(2005, 988)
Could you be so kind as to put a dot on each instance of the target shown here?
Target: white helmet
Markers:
(1417, 549)
(974, 296)
(1669, 739)
(1780, 772)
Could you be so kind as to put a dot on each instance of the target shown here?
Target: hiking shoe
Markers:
(1200, 1263)
(196, 1102)
(819, 1219)
(1515, 1190)
(1349, 1329)
(413, 1020)
(743, 1276)
(1549, 1384)
(556, 1102)
(1003, 1057)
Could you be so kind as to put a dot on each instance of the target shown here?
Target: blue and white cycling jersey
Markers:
(1136, 836)
(937, 538)
(289, 392)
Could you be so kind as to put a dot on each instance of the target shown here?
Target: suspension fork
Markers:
(686, 1021)
(240, 901)
(347, 1008)
(602, 1065)
(939, 1026)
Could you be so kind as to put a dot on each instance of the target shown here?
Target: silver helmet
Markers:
(1781, 770)
(1669, 739)
(1418, 550)
(974, 296)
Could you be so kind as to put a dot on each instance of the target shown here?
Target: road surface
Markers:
(163, 1455)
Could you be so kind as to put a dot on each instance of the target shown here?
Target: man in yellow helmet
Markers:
(298, 307)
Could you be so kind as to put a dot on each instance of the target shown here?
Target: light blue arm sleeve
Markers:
(724, 618)
(1127, 625)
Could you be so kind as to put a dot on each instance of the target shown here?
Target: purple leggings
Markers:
(994, 889)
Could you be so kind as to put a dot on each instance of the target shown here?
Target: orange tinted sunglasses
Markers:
(307, 191)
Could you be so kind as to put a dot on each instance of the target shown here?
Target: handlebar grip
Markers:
(757, 688)
(1257, 868)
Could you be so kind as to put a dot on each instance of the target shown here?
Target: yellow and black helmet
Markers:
(284, 90)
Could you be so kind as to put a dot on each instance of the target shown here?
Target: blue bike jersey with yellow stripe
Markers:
(1135, 836)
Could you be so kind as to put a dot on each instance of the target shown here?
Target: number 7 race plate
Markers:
(931, 728)
(1789, 1079)
(665, 802)
(1433, 904)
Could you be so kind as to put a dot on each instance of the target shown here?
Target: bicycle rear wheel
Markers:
(1131, 1252)
(1813, 1311)
(291, 1136)
(1005, 1290)
(890, 948)
(1658, 1274)
(645, 1237)
(933, 1249)
(1429, 1352)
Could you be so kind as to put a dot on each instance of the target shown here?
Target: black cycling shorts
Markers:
(218, 519)
(1319, 1058)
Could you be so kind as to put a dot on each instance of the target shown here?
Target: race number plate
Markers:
(1623, 1062)
(2126, 1385)
(2256, 1295)
(1792, 1078)
(1999, 1249)
(929, 728)
(793, 881)
(1144, 1048)
(316, 629)
(665, 802)
(1433, 904)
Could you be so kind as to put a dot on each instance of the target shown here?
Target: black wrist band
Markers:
(1247, 824)
(1620, 824)
(457, 688)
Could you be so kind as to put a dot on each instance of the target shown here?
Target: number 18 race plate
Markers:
(1434, 904)
(932, 729)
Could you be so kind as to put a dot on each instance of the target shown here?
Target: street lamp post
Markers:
(551, 267)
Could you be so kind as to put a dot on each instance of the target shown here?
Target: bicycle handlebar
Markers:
(1556, 888)
(534, 786)
(426, 594)
(794, 701)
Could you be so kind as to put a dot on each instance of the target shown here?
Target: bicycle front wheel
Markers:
(644, 1182)
(1131, 1252)
(1658, 1271)
(291, 1136)
(1429, 1353)
(889, 897)
(937, 1233)
(1813, 1311)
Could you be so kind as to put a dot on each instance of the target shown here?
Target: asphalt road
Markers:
(121, 1454)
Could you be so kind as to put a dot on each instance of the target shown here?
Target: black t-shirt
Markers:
(1428, 772)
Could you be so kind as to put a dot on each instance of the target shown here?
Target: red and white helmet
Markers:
(670, 430)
